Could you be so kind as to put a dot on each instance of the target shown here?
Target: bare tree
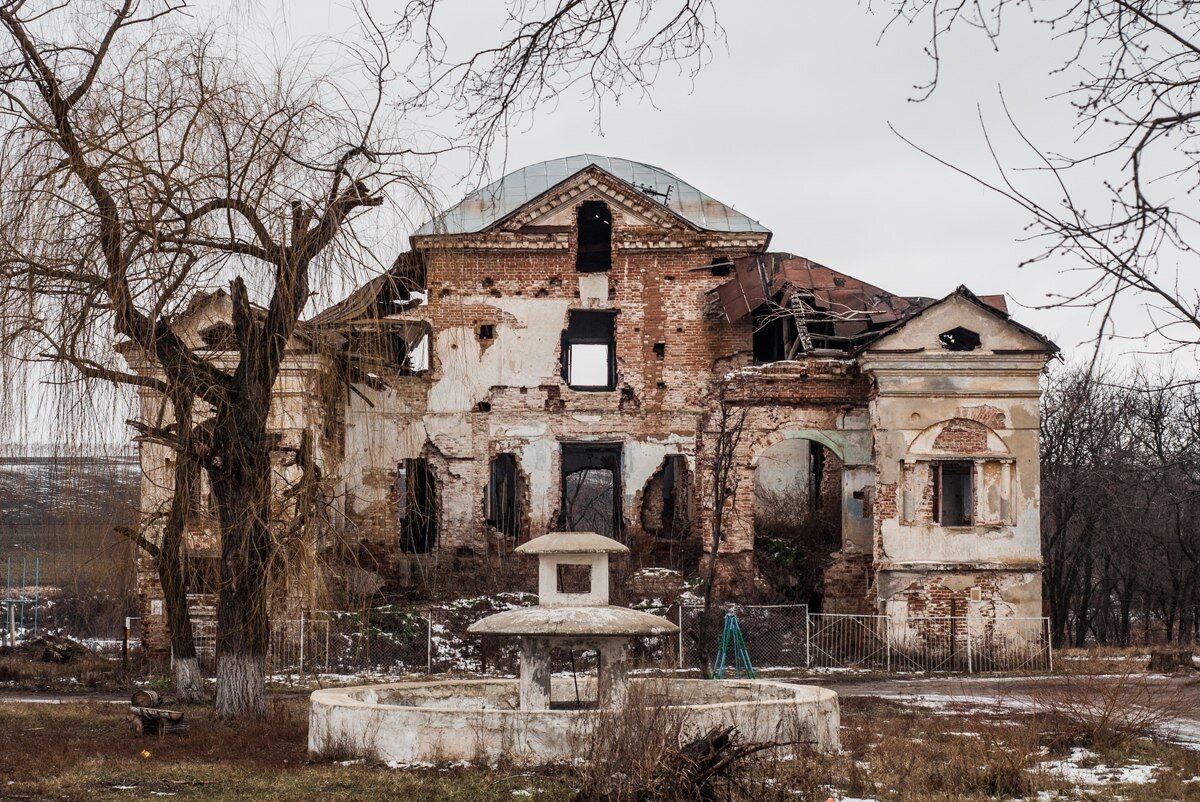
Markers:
(141, 168)
(144, 165)
(719, 465)
(1136, 74)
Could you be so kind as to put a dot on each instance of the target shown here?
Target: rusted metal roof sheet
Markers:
(855, 306)
(482, 208)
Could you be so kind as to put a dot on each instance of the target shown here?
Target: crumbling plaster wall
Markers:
(980, 406)
(816, 398)
(482, 397)
(294, 409)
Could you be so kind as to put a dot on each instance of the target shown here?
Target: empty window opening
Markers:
(589, 350)
(594, 247)
(574, 578)
(591, 488)
(660, 350)
(402, 346)
(219, 337)
(959, 339)
(953, 493)
(503, 499)
(774, 335)
(666, 512)
(487, 331)
(721, 266)
(416, 492)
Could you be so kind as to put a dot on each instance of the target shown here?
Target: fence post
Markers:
(967, 627)
(887, 640)
(301, 642)
(679, 623)
(37, 580)
(1049, 643)
(12, 624)
(807, 638)
(429, 642)
(125, 645)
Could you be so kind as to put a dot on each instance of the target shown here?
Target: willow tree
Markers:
(142, 165)
(145, 162)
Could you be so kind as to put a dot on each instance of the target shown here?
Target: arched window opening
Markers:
(798, 516)
(593, 223)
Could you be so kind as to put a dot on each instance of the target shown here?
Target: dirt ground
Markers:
(935, 739)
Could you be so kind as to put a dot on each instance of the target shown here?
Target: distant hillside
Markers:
(66, 490)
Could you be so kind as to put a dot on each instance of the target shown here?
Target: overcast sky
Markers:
(789, 123)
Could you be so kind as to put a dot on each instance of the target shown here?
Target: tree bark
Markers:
(240, 472)
(172, 569)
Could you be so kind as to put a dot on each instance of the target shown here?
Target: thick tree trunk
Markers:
(240, 472)
(241, 684)
(189, 680)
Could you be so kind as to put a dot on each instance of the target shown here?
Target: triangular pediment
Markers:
(556, 207)
(961, 323)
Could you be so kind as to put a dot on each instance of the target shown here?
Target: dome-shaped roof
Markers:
(484, 207)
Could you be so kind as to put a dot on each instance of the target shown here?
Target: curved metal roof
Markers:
(484, 207)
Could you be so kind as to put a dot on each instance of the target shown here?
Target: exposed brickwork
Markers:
(962, 436)
(848, 584)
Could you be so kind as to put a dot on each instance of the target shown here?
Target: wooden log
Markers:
(158, 721)
(142, 698)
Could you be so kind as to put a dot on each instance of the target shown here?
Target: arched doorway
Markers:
(797, 517)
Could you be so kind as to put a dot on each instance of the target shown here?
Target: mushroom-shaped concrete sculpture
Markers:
(573, 613)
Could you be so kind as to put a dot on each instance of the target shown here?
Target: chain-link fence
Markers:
(392, 641)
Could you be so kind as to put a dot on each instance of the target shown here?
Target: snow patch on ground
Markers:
(1071, 768)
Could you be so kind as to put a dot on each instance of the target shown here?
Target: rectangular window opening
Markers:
(574, 578)
(589, 350)
(953, 493)
(591, 488)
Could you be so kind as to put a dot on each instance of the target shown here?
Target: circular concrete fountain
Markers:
(540, 718)
(481, 720)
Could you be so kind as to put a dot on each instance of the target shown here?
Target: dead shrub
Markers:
(647, 751)
(795, 542)
(1107, 712)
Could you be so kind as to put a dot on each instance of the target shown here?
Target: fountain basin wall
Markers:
(479, 720)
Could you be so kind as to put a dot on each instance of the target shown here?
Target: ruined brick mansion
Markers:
(578, 346)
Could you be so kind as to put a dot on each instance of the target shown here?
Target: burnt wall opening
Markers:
(666, 510)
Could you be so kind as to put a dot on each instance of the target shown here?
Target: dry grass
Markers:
(86, 751)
